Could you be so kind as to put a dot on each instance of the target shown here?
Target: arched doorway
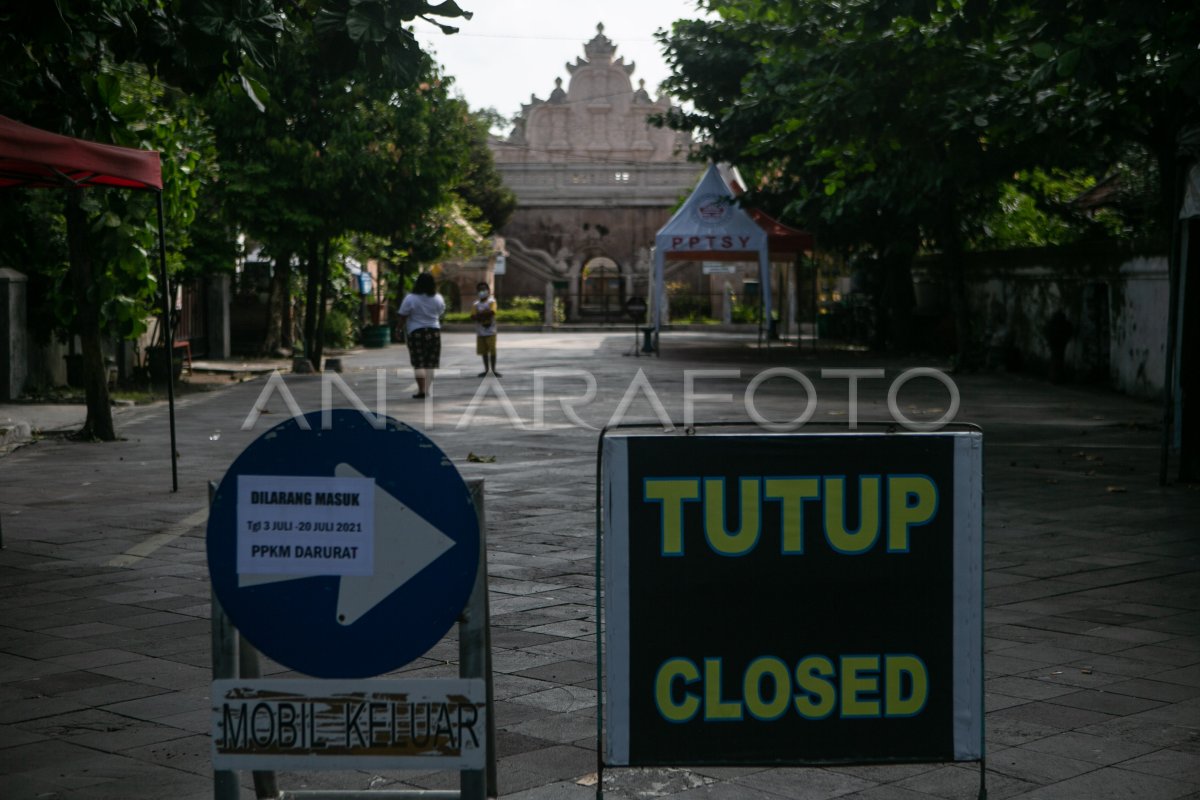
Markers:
(601, 289)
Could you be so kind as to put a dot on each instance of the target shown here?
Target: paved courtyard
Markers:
(1092, 628)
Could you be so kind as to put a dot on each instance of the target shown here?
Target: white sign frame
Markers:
(368, 697)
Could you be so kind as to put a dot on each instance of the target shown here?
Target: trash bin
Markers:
(377, 336)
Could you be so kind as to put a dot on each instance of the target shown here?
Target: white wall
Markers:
(1141, 301)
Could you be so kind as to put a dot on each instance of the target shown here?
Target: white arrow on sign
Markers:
(405, 544)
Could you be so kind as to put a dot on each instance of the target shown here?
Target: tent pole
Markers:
(169, 344)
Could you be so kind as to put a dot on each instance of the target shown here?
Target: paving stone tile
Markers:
(15, 668)
(724, 791)
(61, 683)
(1187, 676)
(115, 692)
(507, 687)
(13, 736)
(641, 782)
(575, 628)
(1119, 664)
(1027, 688)
(1173, 764)
(34, 708)
(577, 649)
(509, 714)
(195, 721)
(101, 730)
(83, 630)
(1131, 634)
(886, 792)
(157, 672)
(1077, 676)
(1004, 664)
(1085, 747)
(1010, 732)
(188, 753)
(86, 659)
(962, 781)
(562, 790)
(1035, 766)
(994, 702)
(155, 707)
(562, 728)
(511, 741)
(521, 661)
(560, 762)
(1136, 729)
(1112, 783)
(560, 698)
(1046, 714)
(805, 784)
(1105, 702)
(885, 773)
(1155, 690)
(563, 672)
(1113, 617)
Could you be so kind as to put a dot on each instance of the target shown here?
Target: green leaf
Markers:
(1068, 62)
(1043, 50)
(109, 88)
(364, 24)
(449, 9)
(257, 93)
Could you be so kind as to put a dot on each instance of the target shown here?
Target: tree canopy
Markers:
(894, 126)
(143, 73)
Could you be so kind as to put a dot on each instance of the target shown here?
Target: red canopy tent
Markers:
(33, 158)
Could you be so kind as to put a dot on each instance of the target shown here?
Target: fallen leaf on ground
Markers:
(480, 459)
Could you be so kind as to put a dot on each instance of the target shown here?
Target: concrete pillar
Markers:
(548, 307)
(14, 335)
(219, 293)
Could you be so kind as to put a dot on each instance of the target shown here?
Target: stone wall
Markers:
(1116, 305)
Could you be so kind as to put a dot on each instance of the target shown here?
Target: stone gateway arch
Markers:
(594, 182)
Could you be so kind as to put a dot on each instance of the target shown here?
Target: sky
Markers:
(512, 48)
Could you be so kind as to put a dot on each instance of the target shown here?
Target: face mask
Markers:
(483, 295)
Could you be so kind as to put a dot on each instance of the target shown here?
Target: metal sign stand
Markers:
(234, 657)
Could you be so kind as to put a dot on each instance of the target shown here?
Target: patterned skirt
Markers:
(425, 348)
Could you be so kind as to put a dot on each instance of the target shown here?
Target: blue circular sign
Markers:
(343, 550)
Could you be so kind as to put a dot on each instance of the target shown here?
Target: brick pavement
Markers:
(1093, 602)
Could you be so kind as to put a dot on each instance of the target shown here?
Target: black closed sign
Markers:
(804, 598)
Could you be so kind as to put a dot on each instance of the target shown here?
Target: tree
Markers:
(69, 67)
(896, 126)
(482, 187)
(884, 126)
(334, 154)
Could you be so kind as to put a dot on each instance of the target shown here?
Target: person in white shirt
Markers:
(421, 312)
(484, 314)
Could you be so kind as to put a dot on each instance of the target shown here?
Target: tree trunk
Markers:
(81, 274)
(898, 297)
(287, 321)
(323, 301)
(277, 303)
(312, 293)
(952, 253)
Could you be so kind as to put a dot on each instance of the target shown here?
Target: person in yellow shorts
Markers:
(484, 314)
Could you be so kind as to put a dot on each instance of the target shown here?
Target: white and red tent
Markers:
(33, 158)
(711, 226)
